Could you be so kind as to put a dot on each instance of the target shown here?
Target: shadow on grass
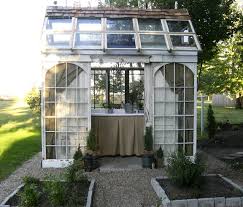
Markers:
(17, 153)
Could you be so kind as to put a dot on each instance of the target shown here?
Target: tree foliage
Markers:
(224, 73)
(33, 99)
(211, 124)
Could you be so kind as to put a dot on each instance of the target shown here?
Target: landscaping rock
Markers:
(233, 202)
(192, 203)
(179, 203)
(205, 202)
(219, 202)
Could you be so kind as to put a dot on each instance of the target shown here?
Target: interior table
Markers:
(119, 134)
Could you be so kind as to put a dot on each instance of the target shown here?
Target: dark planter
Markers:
(90, 162)
(147, 160)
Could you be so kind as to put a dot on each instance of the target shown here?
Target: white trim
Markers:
(55, 163)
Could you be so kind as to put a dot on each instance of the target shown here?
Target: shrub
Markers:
(211, 124)
(31, 180)
(91, 141)
(30, 195)
(33, 99)
(159, 153)
(55, 191)
(75, 172)
(183, 172)
(148, 139)
(78, 155)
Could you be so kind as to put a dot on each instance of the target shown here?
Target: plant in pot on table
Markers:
(148, 156)
(91, 158)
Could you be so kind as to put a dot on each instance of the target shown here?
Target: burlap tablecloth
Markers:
(119, 135)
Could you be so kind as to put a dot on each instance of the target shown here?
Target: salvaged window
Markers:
(152, 41)
(174, 109)
(58, 24)
(119, 24)
(150, 25)
(87, 24)
(183, 41)
(65, 110)
(121, 41)
(179, 26)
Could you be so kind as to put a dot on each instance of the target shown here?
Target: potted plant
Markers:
(91, 158)
(148, 156)
(159, 158)
(110, 108)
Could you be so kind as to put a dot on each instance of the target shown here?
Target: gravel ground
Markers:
(120, 188)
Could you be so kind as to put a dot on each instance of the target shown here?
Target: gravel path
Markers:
(121, 188)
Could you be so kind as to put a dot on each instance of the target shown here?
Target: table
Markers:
(119, 134)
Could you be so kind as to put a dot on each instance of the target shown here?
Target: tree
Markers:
(224, 73)
(33, 99)
(211, 125)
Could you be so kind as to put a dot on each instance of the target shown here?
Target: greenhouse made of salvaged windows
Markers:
(117, 71)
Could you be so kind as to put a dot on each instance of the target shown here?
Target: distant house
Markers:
(140, 64)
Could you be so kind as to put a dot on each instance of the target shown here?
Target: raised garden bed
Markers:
(82, 194)
(217, 191)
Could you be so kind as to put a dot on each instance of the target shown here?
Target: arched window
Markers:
(65, 110)
(174, 109)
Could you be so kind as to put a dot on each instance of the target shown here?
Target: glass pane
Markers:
(169, 137)
(182, 41)
(179, 94)
(61, 75)
(61, 152)
(50, 138)
(58, 40)
(88, 40)
(50, 109)
(180, 122)
(82, 109)
(72, 139)
(169, 75)
(119, 24)
(180, 136)
(120, 41)
(71, 109)
(170, 108)
(180, 148)
(50, 153)
(180, 108)
(82, 79)
(188, 149)
(50, 94)
(89, 24)
(61, 138)
(179, 26)
(71, 95)
(179, 75)
(189, 122)
(170, 123)
(60, 95)
(150, 24)
(59, 24)
(189, 94)
(50, 124)
(50, 78)
(61, 125)
(189, 136)
(189, 77)
(61, 109)
(152, 41)
(71, 75)
(189, 108)
(72, 125)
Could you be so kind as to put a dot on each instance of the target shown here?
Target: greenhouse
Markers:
(117, 71)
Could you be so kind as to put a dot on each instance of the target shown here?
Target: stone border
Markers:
(88, 203)
(201, 202)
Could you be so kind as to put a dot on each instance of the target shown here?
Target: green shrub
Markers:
(183, 172)
(78, 155)
(159, 153)
(148, 139)
(31, 180)
(91, 141)
(33, 99)
(211, 124)
(75, 172)
(55, 191)
(30, 195)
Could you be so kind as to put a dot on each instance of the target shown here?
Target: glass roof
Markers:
(119, 33)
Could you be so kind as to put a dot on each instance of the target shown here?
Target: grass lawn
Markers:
(19, 135)
(222, 114)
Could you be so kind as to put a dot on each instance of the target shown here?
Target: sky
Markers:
(21, 24)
